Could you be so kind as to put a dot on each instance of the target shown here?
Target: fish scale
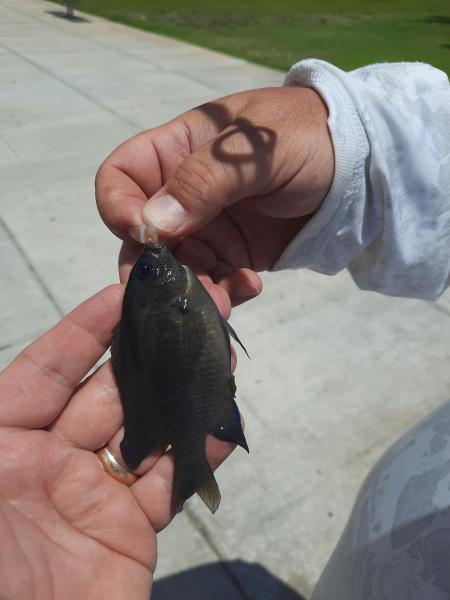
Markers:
(171, 359)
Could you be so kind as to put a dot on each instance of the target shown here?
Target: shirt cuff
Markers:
(311, 248)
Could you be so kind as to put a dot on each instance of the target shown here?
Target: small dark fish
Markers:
(171, 359)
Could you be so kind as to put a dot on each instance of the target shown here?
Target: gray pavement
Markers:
(336, 374)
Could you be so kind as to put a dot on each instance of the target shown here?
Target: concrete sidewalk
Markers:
(336, 374)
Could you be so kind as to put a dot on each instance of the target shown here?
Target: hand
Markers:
(239, 176)
(68, 529)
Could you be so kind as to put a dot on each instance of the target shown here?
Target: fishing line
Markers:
(102, 360)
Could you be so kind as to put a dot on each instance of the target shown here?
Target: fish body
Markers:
(171, 360)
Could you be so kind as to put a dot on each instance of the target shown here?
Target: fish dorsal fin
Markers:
(234, 335)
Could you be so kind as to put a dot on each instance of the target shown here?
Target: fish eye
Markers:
(147, 271)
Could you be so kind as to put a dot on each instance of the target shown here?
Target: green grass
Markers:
(277, 33)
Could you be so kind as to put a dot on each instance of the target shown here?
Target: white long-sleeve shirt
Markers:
(387, 215)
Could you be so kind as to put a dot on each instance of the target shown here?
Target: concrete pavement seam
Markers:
(94, 41)
(34, 272)
(73, 88)
(123, 52)
(204, 533)
(439, 308)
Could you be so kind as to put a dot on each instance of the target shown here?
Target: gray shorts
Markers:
(396, 545)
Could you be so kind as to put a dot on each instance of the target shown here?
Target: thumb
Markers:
(232, 166)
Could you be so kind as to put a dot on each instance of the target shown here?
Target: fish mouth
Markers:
(155, 249)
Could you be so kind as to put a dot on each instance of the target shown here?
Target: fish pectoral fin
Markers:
(190, 477)
(229, 427)
(235, 336)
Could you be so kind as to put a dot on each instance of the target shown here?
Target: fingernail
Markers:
(164, 212)
(139, 233)
(144, 233)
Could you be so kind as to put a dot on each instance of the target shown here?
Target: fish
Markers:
(171, 357)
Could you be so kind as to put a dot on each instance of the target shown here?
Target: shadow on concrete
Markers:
(230, 580)
(62, 14)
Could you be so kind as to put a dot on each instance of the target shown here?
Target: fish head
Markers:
(157, 273)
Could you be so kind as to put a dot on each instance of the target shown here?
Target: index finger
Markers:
(140, 166)
(127, 177)
(35, 387)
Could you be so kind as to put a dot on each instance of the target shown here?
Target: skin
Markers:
(67, 529)
(249, 171)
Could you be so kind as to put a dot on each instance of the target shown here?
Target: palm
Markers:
(74, 520)
(67, 529)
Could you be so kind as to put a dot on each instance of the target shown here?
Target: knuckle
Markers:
(196, 182)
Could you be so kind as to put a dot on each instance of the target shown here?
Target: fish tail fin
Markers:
(191, 477)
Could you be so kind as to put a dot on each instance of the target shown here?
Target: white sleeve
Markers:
(387, 215)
